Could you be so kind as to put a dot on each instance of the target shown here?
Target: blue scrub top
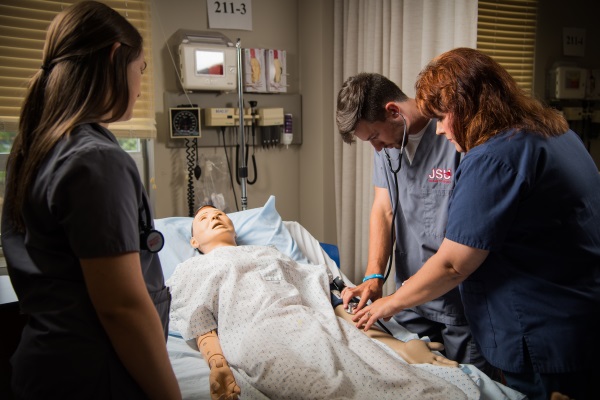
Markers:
(85, 202)
(533, 203)
(423, 192)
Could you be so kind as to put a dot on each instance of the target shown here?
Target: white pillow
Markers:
(258, 226)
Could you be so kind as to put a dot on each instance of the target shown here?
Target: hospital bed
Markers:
(264, 226)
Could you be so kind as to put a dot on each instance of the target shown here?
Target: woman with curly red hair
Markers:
(523, 235)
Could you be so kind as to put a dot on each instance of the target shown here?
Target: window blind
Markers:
(506, 32)
(23, 25)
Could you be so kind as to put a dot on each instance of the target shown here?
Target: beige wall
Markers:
(317, 210)
(301, 177)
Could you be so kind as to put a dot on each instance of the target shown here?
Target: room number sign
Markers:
(573, 42)
(230, 14)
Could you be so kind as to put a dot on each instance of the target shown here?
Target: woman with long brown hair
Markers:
(95, 299)
(523, 232)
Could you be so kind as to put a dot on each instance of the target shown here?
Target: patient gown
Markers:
(282, 338)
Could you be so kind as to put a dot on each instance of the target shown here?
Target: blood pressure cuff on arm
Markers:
(336, 296)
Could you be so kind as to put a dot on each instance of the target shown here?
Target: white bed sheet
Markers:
(189, 366)
(279, 331)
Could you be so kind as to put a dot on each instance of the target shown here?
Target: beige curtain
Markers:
(396, 38)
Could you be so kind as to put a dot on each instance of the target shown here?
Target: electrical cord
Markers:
(229, 168)
(197, 169)
(253, 112)
(252, 182)
(189, 151)
(237, 159)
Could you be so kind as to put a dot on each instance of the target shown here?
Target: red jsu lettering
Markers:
(440, 173)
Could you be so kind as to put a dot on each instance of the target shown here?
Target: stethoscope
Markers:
(150, 239)
(389, 159)
(394, 171)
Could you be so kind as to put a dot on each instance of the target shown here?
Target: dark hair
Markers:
(79, 82)
(483, 98)
(363, 97)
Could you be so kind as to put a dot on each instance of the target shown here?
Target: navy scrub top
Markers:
(533, 203)
(86, 202)
(424, 189)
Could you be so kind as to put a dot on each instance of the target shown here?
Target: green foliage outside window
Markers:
(130, 145)
(6, 140)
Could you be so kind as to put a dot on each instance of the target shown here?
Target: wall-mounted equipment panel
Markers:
(221, 110)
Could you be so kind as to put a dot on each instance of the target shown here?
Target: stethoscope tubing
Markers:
(394, 171)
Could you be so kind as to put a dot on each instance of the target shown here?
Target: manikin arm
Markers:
(413, 352)
(222, 381)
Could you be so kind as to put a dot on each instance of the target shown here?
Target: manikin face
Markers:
(212, 226)
(444, 127)
(386, 134)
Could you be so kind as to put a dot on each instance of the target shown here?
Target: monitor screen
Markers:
(209, 62)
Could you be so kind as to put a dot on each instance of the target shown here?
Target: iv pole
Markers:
(243, 170)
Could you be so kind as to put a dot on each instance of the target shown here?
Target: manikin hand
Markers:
(417, 351)
(222, 381)
(413, 352)
(559, 396)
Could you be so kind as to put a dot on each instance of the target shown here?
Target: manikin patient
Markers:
(271, 319)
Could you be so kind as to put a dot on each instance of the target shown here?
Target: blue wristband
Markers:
(379, 276)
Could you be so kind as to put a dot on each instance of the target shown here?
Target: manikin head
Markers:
(211, 228)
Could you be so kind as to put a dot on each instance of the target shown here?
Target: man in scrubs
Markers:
(413, 172)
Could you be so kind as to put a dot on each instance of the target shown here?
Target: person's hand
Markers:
(559, 396)
(383, 308)
(369, 290)
(222, 382)
(417, 351)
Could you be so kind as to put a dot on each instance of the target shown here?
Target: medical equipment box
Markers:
(566, 82)
(270, 116)
(219, 116)
(276, 71)
(254, 71)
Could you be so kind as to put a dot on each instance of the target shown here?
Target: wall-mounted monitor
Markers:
(207, 61)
